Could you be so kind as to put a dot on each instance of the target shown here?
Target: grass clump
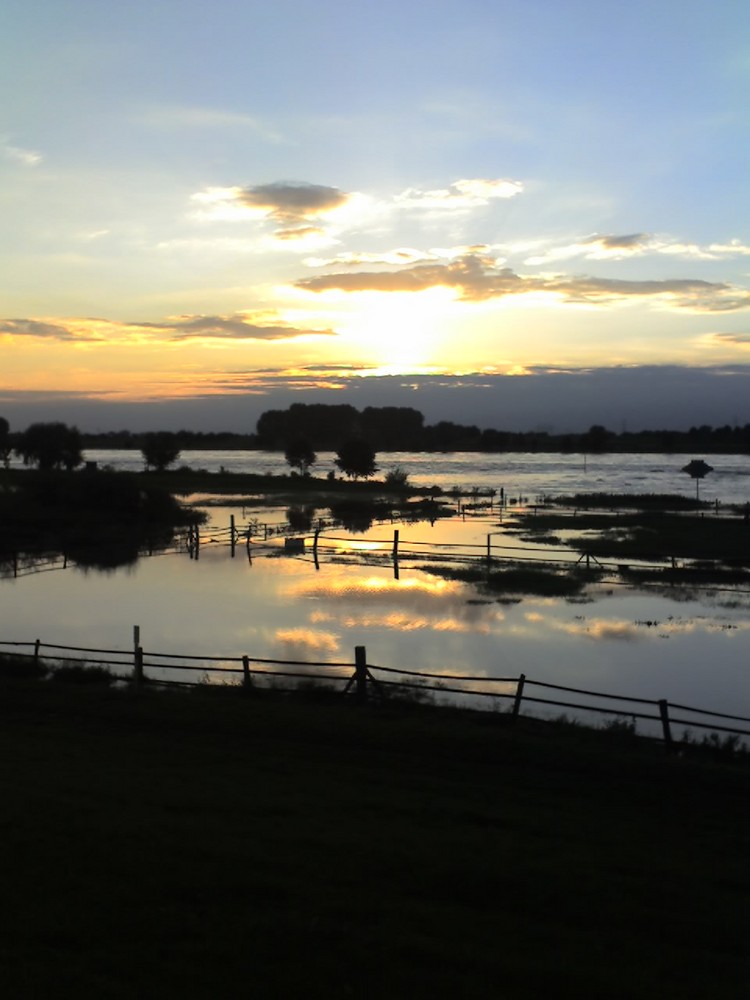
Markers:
(22, 667)
(81, 673)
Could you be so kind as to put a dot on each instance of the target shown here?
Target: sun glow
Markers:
(400, 333)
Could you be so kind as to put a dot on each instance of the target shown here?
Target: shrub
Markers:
(397, 478)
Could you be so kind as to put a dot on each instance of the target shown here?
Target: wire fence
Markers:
(318, 539)
(365, 681)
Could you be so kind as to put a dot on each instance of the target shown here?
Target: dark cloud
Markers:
(292, 202)
(40, 328)
(239, 326)
(572, 399)
(234, 328)
(477, 277)
(620, 242)
(741, 339)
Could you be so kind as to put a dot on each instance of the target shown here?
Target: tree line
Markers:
(57, 446)
(396, 428)
(356, 436)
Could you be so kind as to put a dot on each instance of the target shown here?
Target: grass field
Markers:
(206, 844)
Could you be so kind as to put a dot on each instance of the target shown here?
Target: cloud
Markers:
(460, 195)
(298, 208)
(302, 210)
(238, 326)
(728, 339)
(26, 157)
(40, 329)
(477, 277)
(613, 247)
(734, 247)
(178, 116)
(292, 202)
(558, 400)
(399, 256)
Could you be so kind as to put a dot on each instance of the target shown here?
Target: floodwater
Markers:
(519, 474)
(690, 646)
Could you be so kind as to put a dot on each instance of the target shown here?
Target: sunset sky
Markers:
(211, 209)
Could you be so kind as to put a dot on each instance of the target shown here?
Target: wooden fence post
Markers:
(138, 667)
(395, 545)
(666, 728)
(315, 548)
(233, 538)
(489, 551)
(247, 680)
(37, 644)
(519, 696)
(360, 672)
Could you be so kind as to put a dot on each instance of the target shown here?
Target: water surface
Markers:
(690, 646)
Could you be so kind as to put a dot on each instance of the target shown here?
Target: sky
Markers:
(530, 214)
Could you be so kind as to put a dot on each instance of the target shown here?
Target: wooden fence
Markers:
(364, 680)
(256, 537)
(313, 544)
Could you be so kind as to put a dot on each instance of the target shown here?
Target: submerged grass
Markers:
(649, 533)
(520, 580)
(200, 844)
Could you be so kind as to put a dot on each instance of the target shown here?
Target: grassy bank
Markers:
(201, 844)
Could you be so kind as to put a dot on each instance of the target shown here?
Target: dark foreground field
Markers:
(209, 845)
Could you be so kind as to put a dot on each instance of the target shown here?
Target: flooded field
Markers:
(266, 599)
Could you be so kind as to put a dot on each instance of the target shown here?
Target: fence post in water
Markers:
(519, 696)
(489, 550)
(232, 536)
(666, 729)
(315, 548)
(37, 644)
(138, 667)
(360, 672)
(395, 544)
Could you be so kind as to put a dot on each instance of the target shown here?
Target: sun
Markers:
(399, 333)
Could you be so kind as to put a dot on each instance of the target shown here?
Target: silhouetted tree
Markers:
(322, 424)
(697, 470)
(300, 455)
(356, 459)
(596, 438)
(5, 447)
(392, 428)
(50, 446)
(159, 450)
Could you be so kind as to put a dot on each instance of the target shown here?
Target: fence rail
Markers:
(366, 680)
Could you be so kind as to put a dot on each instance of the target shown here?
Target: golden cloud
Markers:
(236, 326)
(477, 277)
